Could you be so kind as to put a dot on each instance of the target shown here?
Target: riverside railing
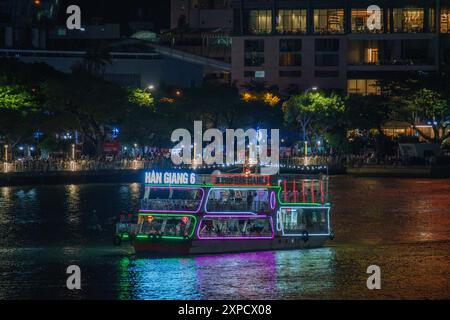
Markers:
(39, 166)
(80, 165)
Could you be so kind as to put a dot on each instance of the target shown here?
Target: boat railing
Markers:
(127, 227)
(237, 206)
(170, 204)
(304, 191)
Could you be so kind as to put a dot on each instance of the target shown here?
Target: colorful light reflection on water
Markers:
(402, 225)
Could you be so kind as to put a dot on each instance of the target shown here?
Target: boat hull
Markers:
(194, 247)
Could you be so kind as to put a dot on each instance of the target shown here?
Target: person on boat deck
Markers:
(255, 201)
(249, 200)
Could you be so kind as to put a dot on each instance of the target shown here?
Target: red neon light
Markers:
(303, 191)
(322, 191)
(230, 175)
(285, 193)
(295, 191)
(312, 191)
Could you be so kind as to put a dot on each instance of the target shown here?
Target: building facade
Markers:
(201, 14)
(334, 44)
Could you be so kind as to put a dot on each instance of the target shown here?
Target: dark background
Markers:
(156, 11)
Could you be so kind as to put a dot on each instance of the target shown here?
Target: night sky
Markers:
(157, 11)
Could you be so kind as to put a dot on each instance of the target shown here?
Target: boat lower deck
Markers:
(226, 246)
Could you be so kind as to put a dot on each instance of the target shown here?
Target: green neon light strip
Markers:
(145, 236)
(299, 203)
(210, 186)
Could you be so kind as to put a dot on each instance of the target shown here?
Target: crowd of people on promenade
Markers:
(161, 158)
(84, 163)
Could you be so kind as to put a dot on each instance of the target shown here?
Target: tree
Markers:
(313, 112)
(430, 106)
(97, 58)
(367, 112)
(19, 100)
(88, 104)
(16, 98)
(139, 97)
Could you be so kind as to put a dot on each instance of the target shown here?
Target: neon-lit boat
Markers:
(183, 213)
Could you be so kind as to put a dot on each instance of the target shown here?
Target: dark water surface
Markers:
(401, 225)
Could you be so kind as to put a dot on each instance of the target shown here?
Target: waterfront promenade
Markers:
(128, 171)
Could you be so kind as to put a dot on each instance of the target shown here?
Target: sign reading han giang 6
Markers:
(177, 178)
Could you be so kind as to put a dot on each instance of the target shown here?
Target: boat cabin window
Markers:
(211, 228)
(167, 226)
(166, 199)
(297, 220)
(238, 200)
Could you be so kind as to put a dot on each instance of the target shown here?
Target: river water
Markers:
(401, 225)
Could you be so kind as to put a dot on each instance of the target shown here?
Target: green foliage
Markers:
(313, 112)
(16, 98)
(367, 112)
(429, 106)
(87, 103)
(140, 98)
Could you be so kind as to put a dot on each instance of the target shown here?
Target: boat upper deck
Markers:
(235, 193)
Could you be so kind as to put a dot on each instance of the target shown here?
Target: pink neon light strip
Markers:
(176, 211)
(235, 238)
(273, 201)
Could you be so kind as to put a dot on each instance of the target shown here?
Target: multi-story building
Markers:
(330, 44)
(23, 23)
(201, 27)
(201, 14)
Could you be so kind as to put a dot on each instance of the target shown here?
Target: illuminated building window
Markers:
(254, 53)
(408, 19)
(329, 21)
(359, 22)
(432, 20)
(260, 21)
(445, 21)
(291, 21)
(371, 56)
(290, 55)
(290, 59)
(363, 87)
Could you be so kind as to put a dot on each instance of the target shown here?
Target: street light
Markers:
(151, 87)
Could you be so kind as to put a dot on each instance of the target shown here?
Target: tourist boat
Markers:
(184, 213)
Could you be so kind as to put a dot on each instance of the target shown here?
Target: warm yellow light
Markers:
(167, 100)
(247, 97)
(271, 99)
